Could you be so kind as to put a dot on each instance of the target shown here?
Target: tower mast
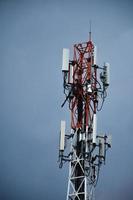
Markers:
(83, 85)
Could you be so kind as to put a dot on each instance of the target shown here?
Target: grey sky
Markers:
(32, 35)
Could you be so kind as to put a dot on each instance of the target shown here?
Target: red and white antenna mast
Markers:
(85, 87)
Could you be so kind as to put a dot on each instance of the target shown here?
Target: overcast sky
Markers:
(32, 35)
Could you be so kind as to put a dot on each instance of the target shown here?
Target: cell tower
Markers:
(85, 88)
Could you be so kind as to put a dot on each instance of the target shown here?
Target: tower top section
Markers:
(85, 85)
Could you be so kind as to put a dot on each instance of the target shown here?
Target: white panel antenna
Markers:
(107, 73)
(65, 60)
(94, 129)
(109, 140)
(62, 135)
(71, 74)
(95, 55)
(102, 147)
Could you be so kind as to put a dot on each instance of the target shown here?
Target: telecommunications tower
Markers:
(85, 87)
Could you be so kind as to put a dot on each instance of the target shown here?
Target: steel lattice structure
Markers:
(85, 87)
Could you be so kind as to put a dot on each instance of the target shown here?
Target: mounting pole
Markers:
(90, 32)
